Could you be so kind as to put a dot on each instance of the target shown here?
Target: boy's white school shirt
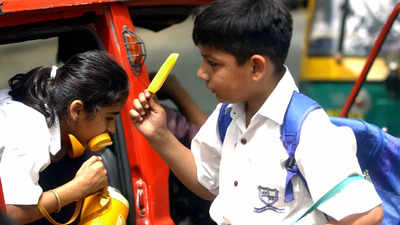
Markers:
(247, 173)
(27, 144)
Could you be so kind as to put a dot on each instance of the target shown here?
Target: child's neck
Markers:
(251, 109)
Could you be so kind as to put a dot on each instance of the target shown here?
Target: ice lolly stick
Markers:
(163, 73)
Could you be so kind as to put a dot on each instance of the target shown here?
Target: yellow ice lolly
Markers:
(163, 73)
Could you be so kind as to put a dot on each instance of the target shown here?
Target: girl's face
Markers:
(85, 126)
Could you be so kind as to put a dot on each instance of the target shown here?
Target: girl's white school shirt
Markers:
(26, 144)
(247, 173)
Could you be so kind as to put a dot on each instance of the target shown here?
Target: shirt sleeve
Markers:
(326, 155)
(206, 149)
(25, 154)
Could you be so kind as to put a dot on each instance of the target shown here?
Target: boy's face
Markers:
(223, 76)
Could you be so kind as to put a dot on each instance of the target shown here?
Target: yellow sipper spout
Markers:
(99, 142)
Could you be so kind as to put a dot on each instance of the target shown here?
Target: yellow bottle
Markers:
(104, 208)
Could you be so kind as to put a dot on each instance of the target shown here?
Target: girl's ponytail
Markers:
(32, 89)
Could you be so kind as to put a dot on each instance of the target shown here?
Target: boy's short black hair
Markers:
(246, 27)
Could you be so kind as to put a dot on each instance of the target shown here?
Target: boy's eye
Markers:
(212, 64)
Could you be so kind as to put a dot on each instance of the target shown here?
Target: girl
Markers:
(37, 115)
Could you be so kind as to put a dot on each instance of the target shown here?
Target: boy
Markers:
(244, 44)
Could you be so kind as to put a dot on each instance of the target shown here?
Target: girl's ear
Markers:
(76, 110)
(258, 66)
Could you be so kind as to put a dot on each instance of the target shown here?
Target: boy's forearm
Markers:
(372, 217)
(180, 160)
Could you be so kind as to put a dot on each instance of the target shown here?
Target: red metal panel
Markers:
(2, 202)
(18, 12)
(10, 6)
(28, 17)
(168, 2)
(147, 168)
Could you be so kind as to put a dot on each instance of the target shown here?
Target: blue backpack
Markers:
(378, 154)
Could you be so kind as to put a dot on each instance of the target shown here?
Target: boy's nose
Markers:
(201, 74)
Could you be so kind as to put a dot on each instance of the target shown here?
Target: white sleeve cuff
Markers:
(358, 197)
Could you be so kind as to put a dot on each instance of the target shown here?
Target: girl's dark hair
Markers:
(92, 77)
(246, 27)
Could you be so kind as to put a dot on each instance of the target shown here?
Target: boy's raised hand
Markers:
(148, 116)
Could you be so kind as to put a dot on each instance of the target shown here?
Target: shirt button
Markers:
(243, 141)
(235, 183)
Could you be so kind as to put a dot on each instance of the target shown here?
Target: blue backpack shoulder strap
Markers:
(299, 107)
(224, 119)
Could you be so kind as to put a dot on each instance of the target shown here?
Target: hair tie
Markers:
(53, 72)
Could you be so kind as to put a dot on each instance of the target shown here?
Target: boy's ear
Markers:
(258, 66)
(75, 109)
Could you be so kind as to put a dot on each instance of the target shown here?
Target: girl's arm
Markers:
(90, 178)
(24, 214)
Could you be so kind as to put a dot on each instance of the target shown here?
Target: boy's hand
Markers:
(148, 116)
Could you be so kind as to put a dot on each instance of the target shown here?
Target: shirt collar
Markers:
(4, 95)
(275, 105)
(55, 137)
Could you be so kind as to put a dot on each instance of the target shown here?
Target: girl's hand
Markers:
(92, 176)
(148, 116)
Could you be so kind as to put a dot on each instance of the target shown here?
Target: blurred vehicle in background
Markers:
(339, 37)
